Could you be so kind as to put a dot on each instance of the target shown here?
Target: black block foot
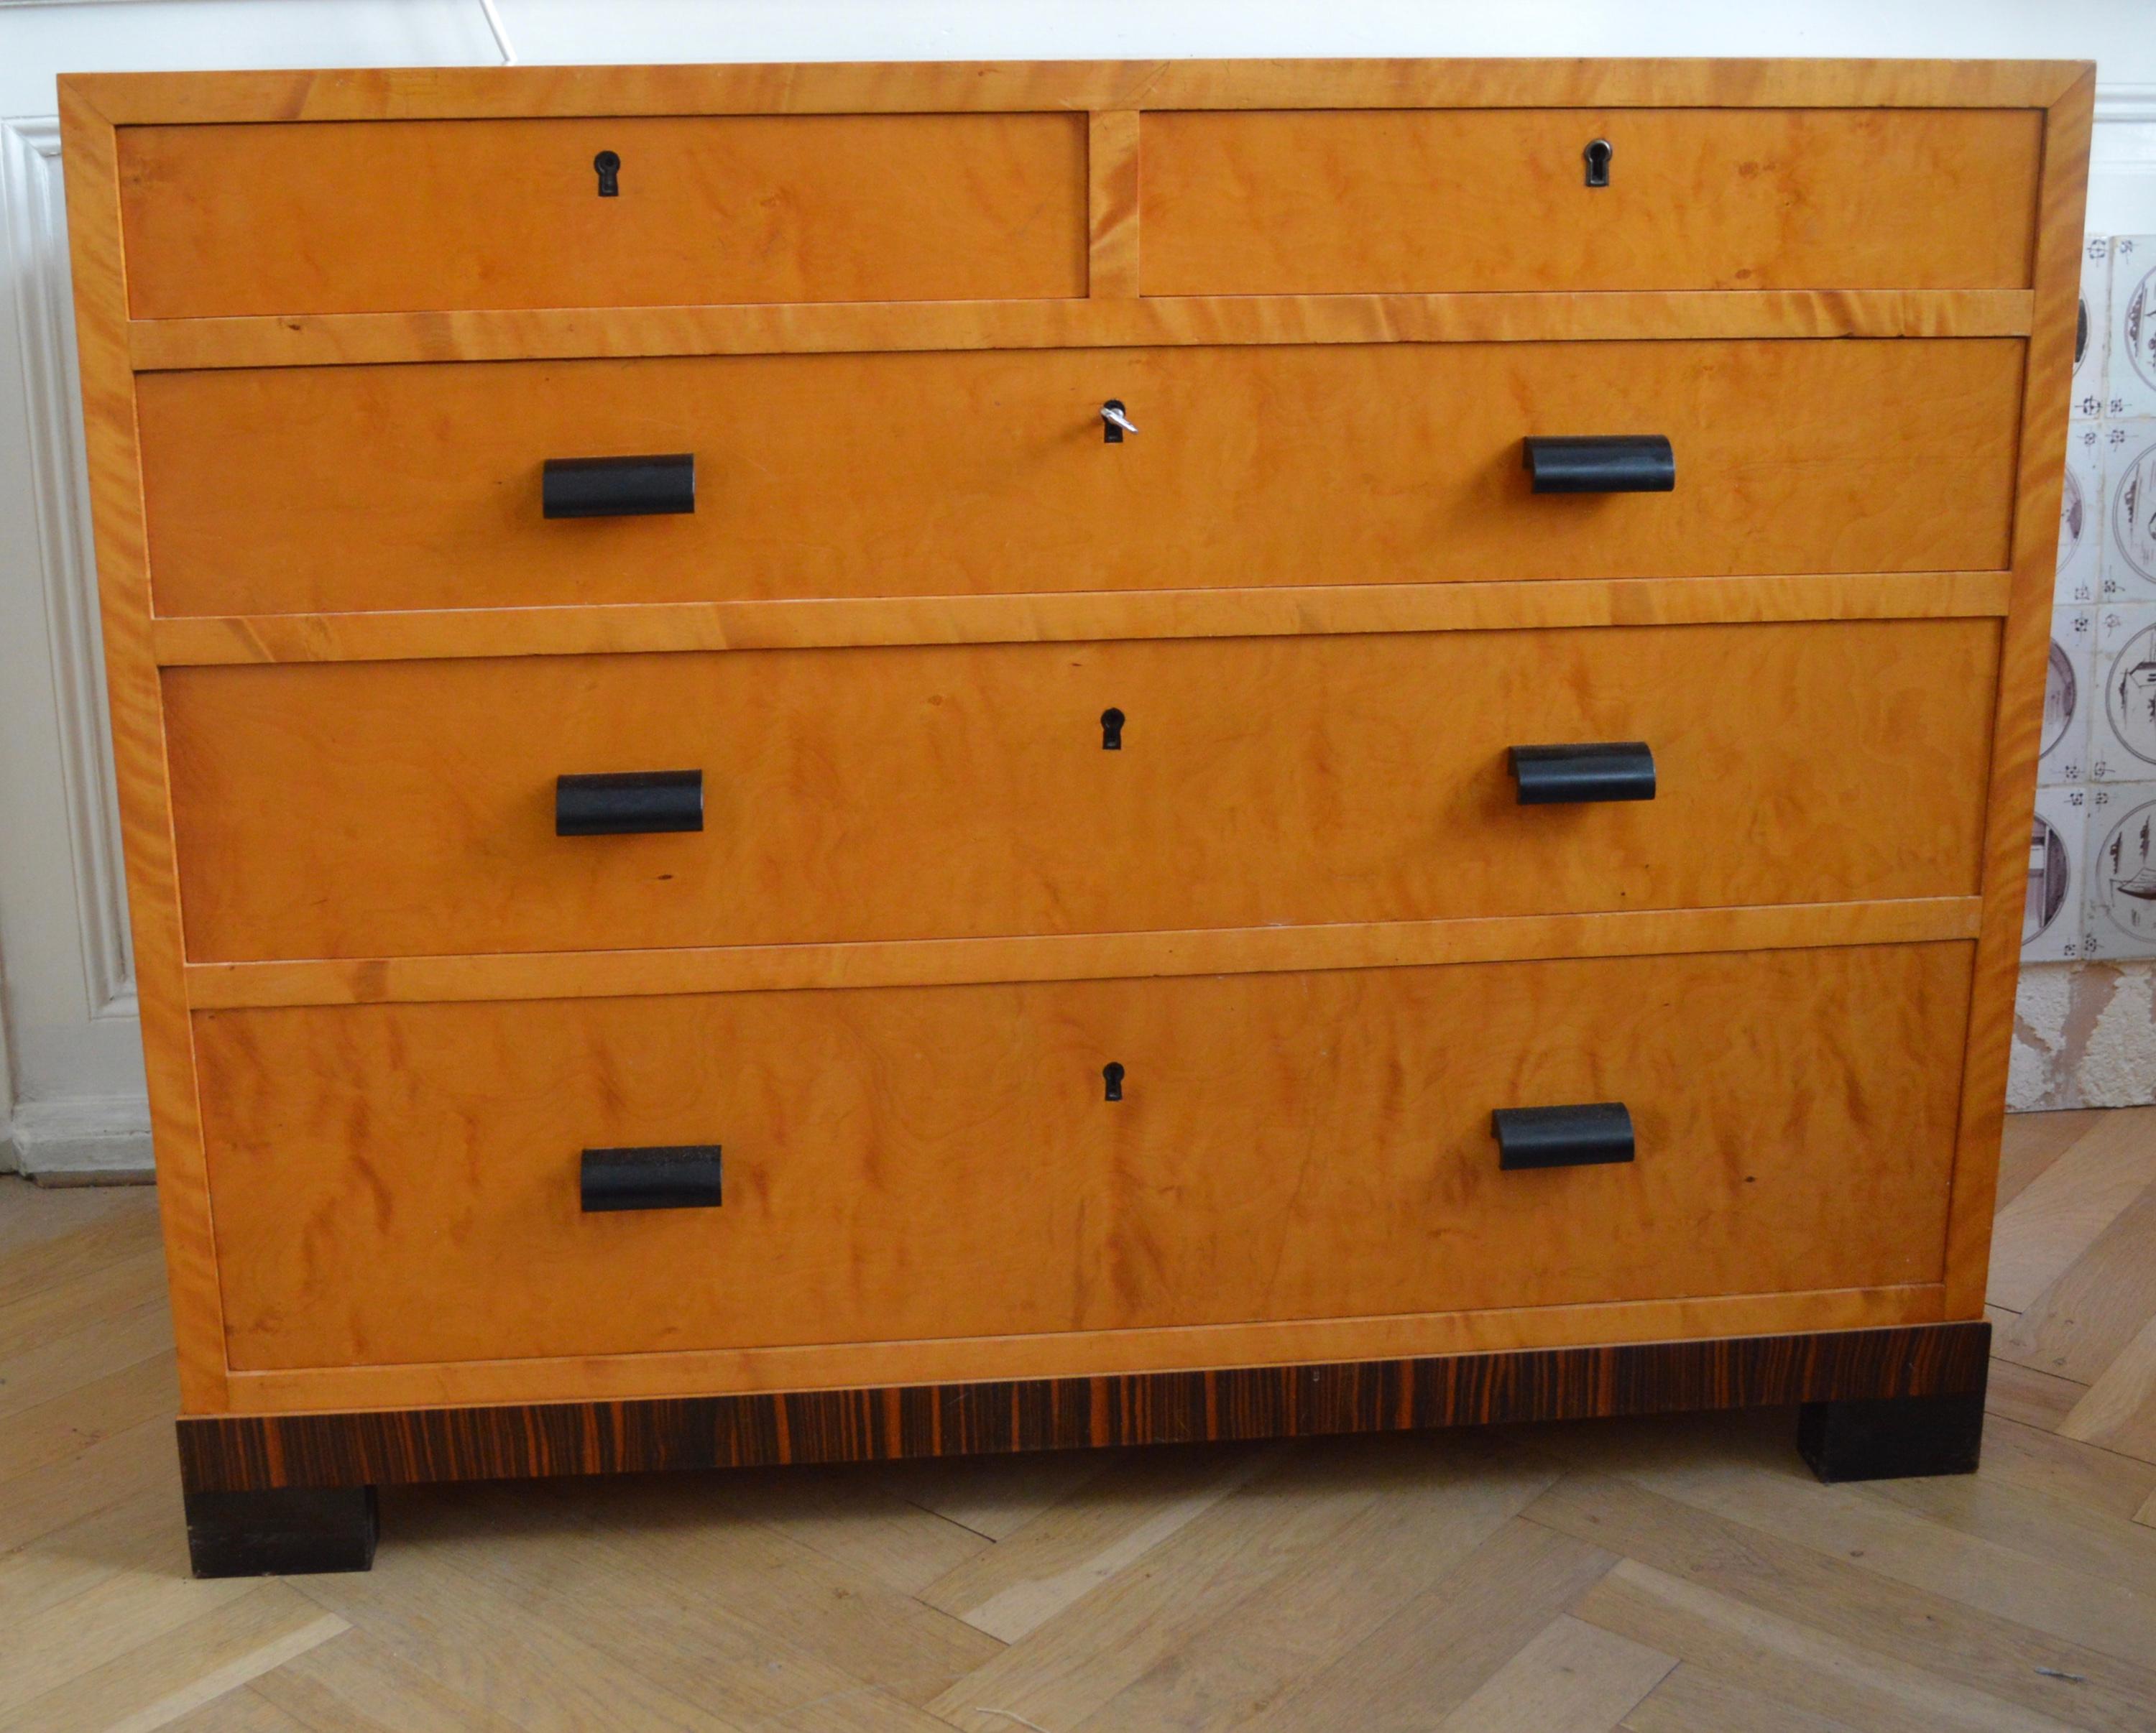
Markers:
(290, 1531)
(1892, 1438)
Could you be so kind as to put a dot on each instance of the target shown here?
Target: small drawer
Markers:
(356, 810)
(1369, 200)
(291, 491)
(402, 216)
(399, 1183)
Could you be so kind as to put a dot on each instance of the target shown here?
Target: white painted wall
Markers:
(71, 1066)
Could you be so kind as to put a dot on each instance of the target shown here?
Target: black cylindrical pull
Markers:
(684, 1175)
(619, 487)
(629, 802)
(1593, 769)
(1609, 463)
(1581, 1136)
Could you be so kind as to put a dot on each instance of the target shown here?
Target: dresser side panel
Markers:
(2018, 725)
(133, 685)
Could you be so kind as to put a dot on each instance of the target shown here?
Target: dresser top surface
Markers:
(357, 93)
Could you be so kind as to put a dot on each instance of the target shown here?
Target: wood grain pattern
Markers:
(1291, 202)
(2011, 797)
(241, 1452)
(1290, 611)
(1079, 957)
(1112, 166)
(333, 489)
(295, 339)
(413, 215)
(378, 810)
(398, 1183)
(138, 744)
(467, 93)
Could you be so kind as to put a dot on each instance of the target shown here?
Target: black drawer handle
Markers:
(1593, 769)
(628, 803)
(1610, 463)
(619, 487)
(1579, 1136)
(683, 1176)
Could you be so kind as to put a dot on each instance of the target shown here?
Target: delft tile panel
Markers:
(2052, 919)
(2082, 516)
(2129, 512)
(2069, 686)
(2118, 885)
(2121, 708)
(2093, 332)
(2130, 340)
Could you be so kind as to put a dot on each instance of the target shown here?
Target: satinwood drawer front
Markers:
(394, 809)
(1327, 201)
(398, 1183)
(292, 489)
(394, 216)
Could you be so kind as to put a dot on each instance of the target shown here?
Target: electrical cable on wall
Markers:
(501, 32)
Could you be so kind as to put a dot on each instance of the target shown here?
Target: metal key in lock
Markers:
(1116, 422)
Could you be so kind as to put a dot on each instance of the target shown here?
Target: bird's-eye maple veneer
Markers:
(841, 762)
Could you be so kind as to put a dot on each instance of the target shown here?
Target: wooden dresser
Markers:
(841, 762)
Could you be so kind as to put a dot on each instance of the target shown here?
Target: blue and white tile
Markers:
(2069, 684)
(2118, 886)
(2122, 698)
(2093, 334)
(2129, 510)
(2080, 518)
(2130, 328)
(2052, 914)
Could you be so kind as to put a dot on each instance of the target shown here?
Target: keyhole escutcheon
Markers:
(1598, 154)
(607, 166)
(1111, 730)
(1112, 1076)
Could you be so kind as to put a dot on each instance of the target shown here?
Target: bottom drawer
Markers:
(400, 1183)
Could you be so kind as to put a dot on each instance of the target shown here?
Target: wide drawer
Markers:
(395, 809)
(1324, 203)
(399, 1183)
(391, 216)
(298, 489)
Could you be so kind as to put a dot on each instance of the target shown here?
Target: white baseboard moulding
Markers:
(100, 1140)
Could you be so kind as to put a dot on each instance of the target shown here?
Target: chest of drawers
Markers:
(838, 762)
